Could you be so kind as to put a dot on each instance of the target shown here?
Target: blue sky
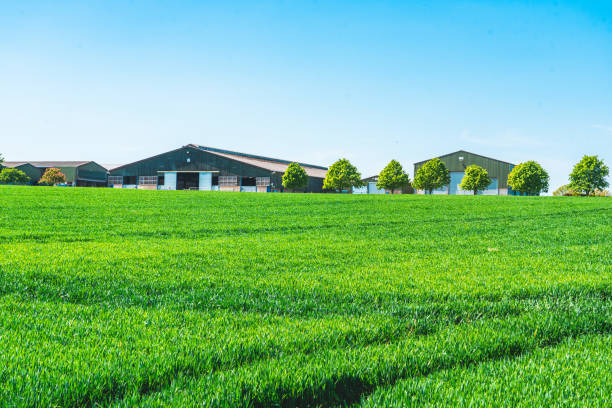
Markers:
(311, 81)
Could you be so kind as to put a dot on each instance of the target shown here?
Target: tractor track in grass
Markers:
(344, 389)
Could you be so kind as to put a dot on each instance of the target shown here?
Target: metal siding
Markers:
(34, 173)
(92, 171)
(372, 189)
(440, 191)
(170, 181)
(493, 188)
(456, 178)
(205, 182)
(69, 172)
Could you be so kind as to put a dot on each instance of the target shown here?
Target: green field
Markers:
(131, 298)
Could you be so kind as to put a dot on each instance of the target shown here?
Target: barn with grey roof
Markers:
(196, 167)
(78, 173)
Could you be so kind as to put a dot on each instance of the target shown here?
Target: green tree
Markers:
(475, 179)
(295, 177)
(431, 175)
(1, 160)
(342, 175)
(529, 178)
(13, 176)
(392, 177)
(589, 175)
(52, 177)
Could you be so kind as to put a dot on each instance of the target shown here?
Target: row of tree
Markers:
(587, 177)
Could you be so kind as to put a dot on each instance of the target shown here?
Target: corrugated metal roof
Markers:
(13, 164)
(464, 151)
(48, 163)
(267, 163)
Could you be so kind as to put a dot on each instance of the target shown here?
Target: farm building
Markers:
(78, 173)
(457, 162)
(370, 188)
(195, 167)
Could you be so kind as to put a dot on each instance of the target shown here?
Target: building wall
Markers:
(190, 159)
(34, 173)
(92, 171)
(497, 169)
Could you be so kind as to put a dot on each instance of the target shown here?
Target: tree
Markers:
(52, 177)
(1, 161)
(393, 176)
(431, 175)
(13, 176)
(475, 179)
(589, 175)
(295, 177)
(342, 175)
(529, 178)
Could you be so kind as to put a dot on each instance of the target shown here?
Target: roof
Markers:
(266, 163)
(47, 164)
(464, 151)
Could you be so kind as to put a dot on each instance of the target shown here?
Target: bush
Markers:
(52, 177)
(13, 176)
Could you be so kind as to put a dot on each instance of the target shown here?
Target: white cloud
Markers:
(603, 127)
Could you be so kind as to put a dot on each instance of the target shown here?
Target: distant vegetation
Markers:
(134, 298)
(13, 176)
(52, 177)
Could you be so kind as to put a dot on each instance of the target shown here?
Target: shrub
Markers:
(13, 176)
(52, 177)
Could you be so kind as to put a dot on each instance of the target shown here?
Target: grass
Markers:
(176, 298)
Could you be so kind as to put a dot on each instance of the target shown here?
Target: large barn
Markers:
(195, 167)
(78, 173)
(456, 163)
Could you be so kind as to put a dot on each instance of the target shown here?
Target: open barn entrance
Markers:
(187, 181)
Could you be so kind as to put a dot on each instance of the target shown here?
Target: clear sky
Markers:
(311, 81)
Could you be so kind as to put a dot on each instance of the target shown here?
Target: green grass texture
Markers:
(134, 298)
